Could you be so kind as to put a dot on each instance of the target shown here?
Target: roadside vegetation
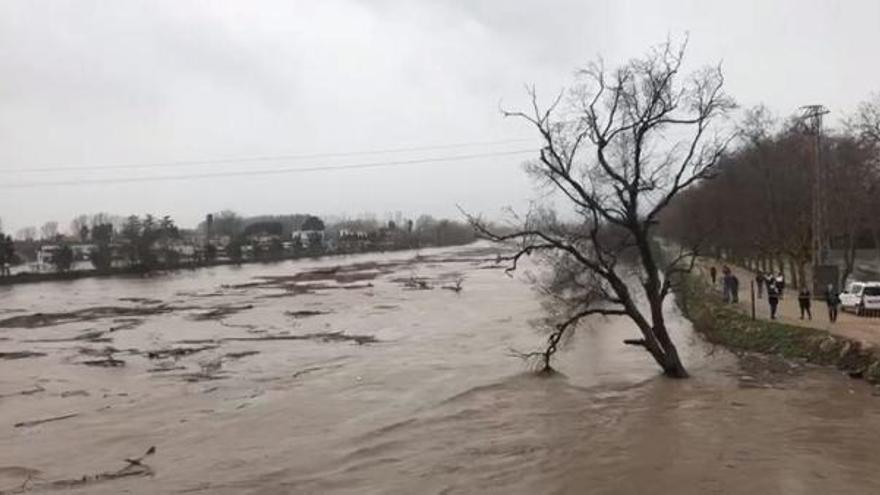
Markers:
(727, 325)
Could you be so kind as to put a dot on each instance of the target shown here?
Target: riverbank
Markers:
(727, 325)
(37, 277)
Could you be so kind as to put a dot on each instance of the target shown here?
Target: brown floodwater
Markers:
(299, 377)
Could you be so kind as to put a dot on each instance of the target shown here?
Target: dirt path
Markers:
(866, 330)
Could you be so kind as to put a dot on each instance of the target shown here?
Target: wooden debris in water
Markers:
(35, 422)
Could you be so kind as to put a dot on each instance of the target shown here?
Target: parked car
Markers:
(861, 298)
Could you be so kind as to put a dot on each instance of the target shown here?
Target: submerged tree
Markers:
(619, 146)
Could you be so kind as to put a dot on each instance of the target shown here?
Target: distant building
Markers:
(352, 241)
(83, 252)
(46, 254)
(309, 239)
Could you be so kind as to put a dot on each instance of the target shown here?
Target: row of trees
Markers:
(143, 244)
(148, 243)
(230, 224)
(758, 207)
(79, 229)
(368, 232)
(406, 233)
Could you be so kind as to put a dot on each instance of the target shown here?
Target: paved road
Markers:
(866, 330)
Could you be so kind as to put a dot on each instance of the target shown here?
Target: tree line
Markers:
(757, 207)
(148, 243)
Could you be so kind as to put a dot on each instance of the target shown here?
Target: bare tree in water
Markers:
(619, 146)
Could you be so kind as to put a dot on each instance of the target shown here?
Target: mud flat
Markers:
(362, 384)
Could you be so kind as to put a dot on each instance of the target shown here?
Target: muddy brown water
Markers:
(386, 387)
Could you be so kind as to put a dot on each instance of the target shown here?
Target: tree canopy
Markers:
(618, 147)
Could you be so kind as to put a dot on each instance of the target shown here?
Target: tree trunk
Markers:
(875, 233)
(657, 342)
(802, 273)
(849, 259)
(672, 365)
(796, 281)
(668, 357)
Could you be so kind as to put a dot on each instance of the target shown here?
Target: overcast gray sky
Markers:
(129, 82)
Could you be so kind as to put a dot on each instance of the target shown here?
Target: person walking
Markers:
(780, 284)
(726, 285)
(759, 284)
(804, 301)
(734, 288)
(713, 274)
(773, 298)
(832, 299)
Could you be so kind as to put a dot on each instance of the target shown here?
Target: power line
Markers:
(263, 158)
(278, 171)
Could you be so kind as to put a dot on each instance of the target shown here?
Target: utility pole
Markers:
(812, 116)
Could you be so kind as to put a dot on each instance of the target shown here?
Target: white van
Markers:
(861, 297)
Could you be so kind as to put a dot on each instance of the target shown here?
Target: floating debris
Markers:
(221, 312)
(319, 336)
(239, 355)
(305, 313)
(107, 362)
(21, 354)
(35, 422)
(177, 352)
(37, 320)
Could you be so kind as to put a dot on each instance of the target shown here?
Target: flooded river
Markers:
(364, 374)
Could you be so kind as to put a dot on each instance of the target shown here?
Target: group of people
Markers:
(832, 300)
(769, 280)
(774, 285)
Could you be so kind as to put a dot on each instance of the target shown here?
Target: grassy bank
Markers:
(726, 325)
